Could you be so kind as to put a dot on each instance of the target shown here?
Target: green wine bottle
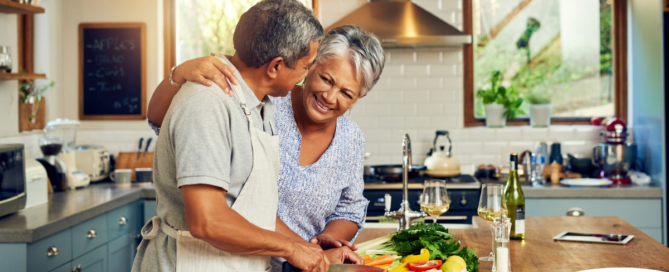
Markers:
(515, 201)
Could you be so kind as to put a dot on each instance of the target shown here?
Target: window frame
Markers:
(619, 70)
(169, 33)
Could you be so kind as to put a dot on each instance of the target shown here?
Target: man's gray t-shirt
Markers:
(204, 139)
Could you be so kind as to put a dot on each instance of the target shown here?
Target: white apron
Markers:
(257, 202)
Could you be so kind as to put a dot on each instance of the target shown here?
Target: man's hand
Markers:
(343, 255)
(204, 70)
(308, 257)
(326, 242)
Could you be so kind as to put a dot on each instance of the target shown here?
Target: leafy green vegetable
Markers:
(436, 239)
(507, 97)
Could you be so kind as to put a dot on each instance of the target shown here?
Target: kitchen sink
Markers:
(375, 225)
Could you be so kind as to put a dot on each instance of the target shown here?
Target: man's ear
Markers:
(275, 66)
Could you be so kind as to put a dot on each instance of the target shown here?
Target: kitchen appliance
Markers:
(5, 60)
(440, 163)
(66, 131)
(401, 23)
(12, 179)
(93, 160)
(614, 158)
(393, 173)
(55, 167)
(36, 183)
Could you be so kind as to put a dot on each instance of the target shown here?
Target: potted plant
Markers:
(31, 93)
(540, 106)
(500, 102)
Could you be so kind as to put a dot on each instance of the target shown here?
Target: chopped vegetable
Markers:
(424, 265)
(384, 266)
(424, 256)
(365, 257)
(402, 267)
(385, 259)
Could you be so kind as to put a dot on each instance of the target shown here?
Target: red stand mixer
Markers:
(615, 156)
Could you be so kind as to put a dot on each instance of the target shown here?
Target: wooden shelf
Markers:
(7, 6)
(10, 76)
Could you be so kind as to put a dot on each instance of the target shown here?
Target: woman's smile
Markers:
(320, 106)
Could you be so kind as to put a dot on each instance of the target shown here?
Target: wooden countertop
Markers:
(538, 252)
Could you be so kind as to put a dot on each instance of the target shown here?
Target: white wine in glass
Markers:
(434, 200)
(491, 205)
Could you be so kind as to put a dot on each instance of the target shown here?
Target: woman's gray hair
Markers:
(363, 49)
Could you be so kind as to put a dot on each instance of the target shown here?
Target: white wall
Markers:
(9, 107)
(421, 91)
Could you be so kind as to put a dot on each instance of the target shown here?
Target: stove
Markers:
(463, 191)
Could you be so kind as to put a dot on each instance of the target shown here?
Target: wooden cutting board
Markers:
(129, 160)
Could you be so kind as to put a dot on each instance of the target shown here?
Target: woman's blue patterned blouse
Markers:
(331, 188)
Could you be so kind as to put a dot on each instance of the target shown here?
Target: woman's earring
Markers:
(349, 112)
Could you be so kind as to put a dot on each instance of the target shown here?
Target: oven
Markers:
(463, 191)
(12, 179)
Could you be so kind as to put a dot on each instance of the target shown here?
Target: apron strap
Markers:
(150, 229)
(236, 89)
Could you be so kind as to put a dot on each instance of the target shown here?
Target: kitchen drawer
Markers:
(121, 253)
(42, 254)
(640, 213)
(460, 199)
(89, 235)
(122, 221)
(93, 261)
(64, 268)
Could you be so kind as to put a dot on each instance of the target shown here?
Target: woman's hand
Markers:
(204, 70)
(343, 255)
(308, 257)
(327, 242)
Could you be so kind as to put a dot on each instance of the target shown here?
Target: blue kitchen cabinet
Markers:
(121, 253)
(107, 242)
(640, 213)
(149, 210)
(93, 261)
(64, 268)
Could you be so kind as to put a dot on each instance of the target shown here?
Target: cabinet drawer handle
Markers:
(76, 269)
(91, 234)
(122, 221)
(52, 251)
(576, 212)
(463, 201)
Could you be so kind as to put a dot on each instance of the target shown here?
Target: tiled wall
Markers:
(421, 91)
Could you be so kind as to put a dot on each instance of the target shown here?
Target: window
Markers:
(570, 52)
(195, 28)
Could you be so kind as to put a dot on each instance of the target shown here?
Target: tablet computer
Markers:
(619, 239)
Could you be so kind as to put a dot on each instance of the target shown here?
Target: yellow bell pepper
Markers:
(423, 256)
(402, 268)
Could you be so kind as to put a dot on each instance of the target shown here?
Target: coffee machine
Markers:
(63, 132)
(615, 156)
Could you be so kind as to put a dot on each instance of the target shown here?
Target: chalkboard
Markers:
(112, 71)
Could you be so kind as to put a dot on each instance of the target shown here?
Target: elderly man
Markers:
(217, 163)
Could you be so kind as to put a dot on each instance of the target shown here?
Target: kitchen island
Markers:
(538, 252)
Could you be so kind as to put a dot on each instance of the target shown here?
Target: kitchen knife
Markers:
(148, 143)
(286, 267)
(139, 149)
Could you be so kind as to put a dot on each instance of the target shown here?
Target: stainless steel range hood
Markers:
(404, 24)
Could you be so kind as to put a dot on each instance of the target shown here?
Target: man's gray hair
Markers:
(361, 47)
(276, 28)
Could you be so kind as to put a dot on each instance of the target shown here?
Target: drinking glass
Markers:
(491, 205)
(434, 200)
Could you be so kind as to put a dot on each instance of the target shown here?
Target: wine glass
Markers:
(434, 200)
(491, 205)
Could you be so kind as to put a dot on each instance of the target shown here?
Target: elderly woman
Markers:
(321, 149)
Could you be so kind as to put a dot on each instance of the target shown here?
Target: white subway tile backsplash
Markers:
(431, 5)
(452, 56)
(443, 96)
(415, 70)
(375, 110)
(490, 147)
(417, 122)
(402, 83)
(402, 57)
(377, 135)
(390, 96)
(416, 96)
(482, 135)
(397, 135)
(365, 122)
(561, 133)
(535, 134)
(589, 133)
(468, 148)
(453, 109)
(485, 159)
(509, 134)
(393, 148)
(392, 70)
(459, 135)
(429, 57)
(442, 122)
(403, 109)
(370, 147)
(430, 109)
(453, 83)
(443, 70)
(429, 83)
(391, 122)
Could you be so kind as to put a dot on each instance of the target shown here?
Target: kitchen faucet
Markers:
(404, 214)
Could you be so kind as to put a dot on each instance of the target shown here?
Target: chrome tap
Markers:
(404, 214)
(527, 164)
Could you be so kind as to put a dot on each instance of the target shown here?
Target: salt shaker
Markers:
(502, 262)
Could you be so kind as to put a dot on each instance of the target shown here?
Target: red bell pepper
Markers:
(424, 266)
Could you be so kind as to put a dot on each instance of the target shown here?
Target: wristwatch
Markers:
(172, 81)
